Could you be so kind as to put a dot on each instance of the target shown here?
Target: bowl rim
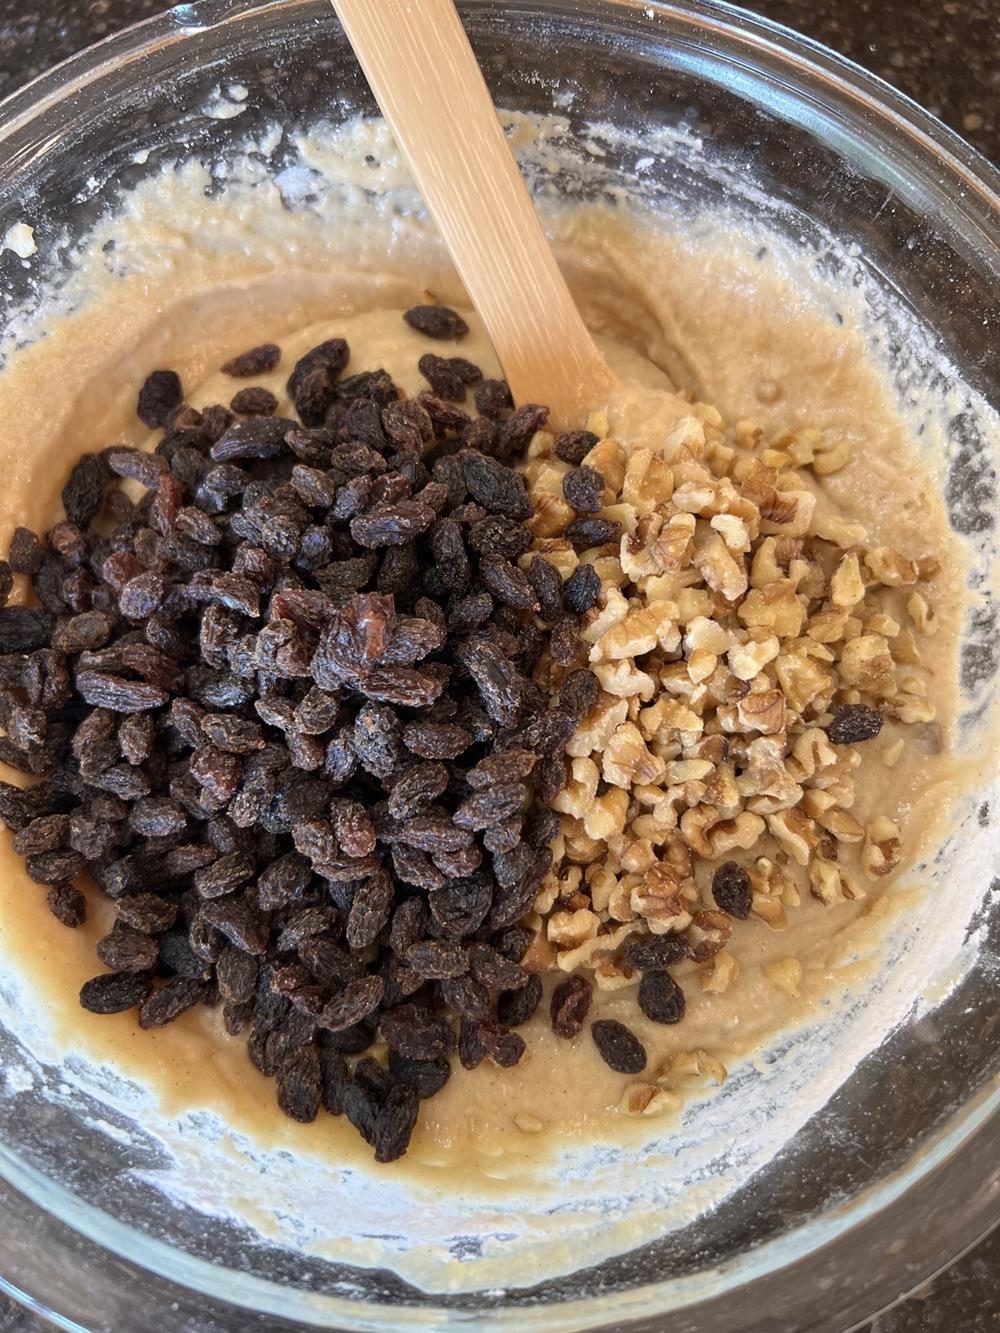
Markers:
(971, 185)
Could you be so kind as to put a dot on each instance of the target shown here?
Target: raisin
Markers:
(467, 997)
(436, 321)
(24, 629)
(655, 952)
(493, 397)
(355, 1002)
(853, 724)
(127, 950)
(147, 912)
(506, 766)
(516, 432)
(618, 1046)
(83, 494)
(115, 992)
(117, 694)
(585, 533)
(370, 911)
(159, 396)
(255, 402)
(449, 377)
(515, 1007)
(569, 1007)
(498, 488)
(170, 1001)
(436, 740)
(257, 361)
(334, 1075)
(300, 1085)
(392, 523)
(415, 1032)
(574, 445)
(471, 1050)
(426, 1077)
(504, 1048)
(67, 904)
(240, 921)
(26, 552)
(660, 998)
(438, 960)
(732, 890)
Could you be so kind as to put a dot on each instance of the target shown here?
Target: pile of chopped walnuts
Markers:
(737, 620)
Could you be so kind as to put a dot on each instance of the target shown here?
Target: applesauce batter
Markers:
(188, 283)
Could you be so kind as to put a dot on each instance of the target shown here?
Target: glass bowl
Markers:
(898, 1172)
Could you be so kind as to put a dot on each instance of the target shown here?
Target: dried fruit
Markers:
(661, 998)
(569, 1007)
(436, 321)
(618, 1045)
(301, 773)
(732, 890)
(257, 361)
(584, 489)
(158, 397)
(853, 724)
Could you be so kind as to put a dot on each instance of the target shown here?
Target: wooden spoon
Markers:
(426, 79)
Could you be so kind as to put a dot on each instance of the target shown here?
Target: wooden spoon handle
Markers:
(428, 83)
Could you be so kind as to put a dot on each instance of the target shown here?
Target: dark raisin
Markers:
(26, 552)
(438, 960)
(415, 1032)
(584, 489)
(127, 950)
(300, 1084)
(581, 589)
(449, 377)
(504, 1048)
(498, 488)
(23, 629)
(370, 911)
(436, 740)
(515, 1007)
(426, 1077)
(170, 1001)
(436, 321)
(574, 445)
(256, 402)
(853, 724)
(569, 1007)
(493, 397)
(618, 1046)
(83, 494)
(158, 397)
(67, 904)
(660, 998)
(732, 890)
(585, 533)
(115, 992)
(257, 361)
(655, 952)
(147, 912)
(355, 1002)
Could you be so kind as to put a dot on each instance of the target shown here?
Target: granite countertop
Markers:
(940, 52)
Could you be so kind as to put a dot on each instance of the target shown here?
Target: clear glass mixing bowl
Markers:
(901, 1170)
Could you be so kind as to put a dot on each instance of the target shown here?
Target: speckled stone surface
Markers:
(943, 53)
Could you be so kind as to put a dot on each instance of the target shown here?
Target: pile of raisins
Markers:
(281, 710)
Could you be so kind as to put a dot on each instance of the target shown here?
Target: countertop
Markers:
(944, 54)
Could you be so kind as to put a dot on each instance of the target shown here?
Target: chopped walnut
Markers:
(736, 620)
(786, 975)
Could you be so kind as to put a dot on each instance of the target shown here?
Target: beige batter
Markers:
(191, 282)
